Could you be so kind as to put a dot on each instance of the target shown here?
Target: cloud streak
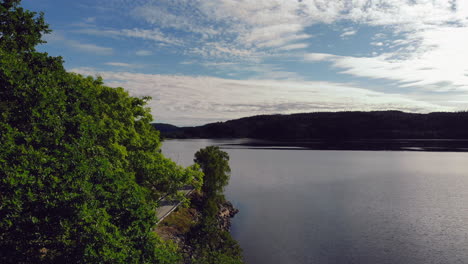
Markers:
(91, 48)
(185, 100)
(122, 64)
(242, 30)
(437, 63)
(77, 45)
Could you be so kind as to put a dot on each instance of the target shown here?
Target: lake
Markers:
(314, 206)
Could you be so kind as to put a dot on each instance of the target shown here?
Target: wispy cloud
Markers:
(348, 33)
(243, 28)
(208, 99)
(417, 48)
(255, 70)
(122, 64)
(91, 48)
(57, 37)
(438, 62)
(377, 43)
(148, 34)
(143, 53)
(314, 57)
(90, 19)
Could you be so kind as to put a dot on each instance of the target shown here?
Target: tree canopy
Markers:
(20, 30)
(212, 243)
(80, 164)
(215, 165)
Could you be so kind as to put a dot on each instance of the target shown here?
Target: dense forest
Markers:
(81, 169)
(334, 126)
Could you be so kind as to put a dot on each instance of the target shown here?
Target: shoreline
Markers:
(420, 145)
(179, 226)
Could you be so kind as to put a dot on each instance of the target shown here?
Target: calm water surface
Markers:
(309, 206)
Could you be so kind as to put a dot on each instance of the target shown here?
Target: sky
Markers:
(204, 61)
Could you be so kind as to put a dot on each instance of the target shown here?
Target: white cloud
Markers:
(438, 62)
(240, 29)
(122, 64)
(294, 46)
(143, 53)
(187, 62)
(379, 36)
(377, 43)
(90, 19)
(91, 48)
(348, 33)
(208, 99)
(53, 37)
(162, 16)
(57, 37)
(318, 57)
(150, 34)
(219, 50)
(256, 70)
(422, 44)
(147, 34)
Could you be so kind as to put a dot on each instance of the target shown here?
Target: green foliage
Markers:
(213, 244)
(80, 164)
(216, 257)
(215, 165)
(182, 220)
(20, 30)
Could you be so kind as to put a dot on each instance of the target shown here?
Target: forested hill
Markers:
(165, 128)
(336, 126)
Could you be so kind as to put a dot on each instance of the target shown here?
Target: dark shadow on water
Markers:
(437, 145)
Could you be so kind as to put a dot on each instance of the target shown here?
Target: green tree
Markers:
(80, 163)
(215, 165)
(21, 30)
(212, 244)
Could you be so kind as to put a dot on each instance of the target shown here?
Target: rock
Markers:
(223, 217)
(226, 212)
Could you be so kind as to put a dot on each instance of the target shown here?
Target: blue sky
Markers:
(212, 60)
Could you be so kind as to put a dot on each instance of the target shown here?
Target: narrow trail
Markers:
(167, 207)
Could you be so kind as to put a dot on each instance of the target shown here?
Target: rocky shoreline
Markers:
(226, 212)
(180, 236)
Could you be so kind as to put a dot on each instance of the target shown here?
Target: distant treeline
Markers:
(333, 126)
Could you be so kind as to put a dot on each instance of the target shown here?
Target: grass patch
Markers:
(177, 223)
(181, 220)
